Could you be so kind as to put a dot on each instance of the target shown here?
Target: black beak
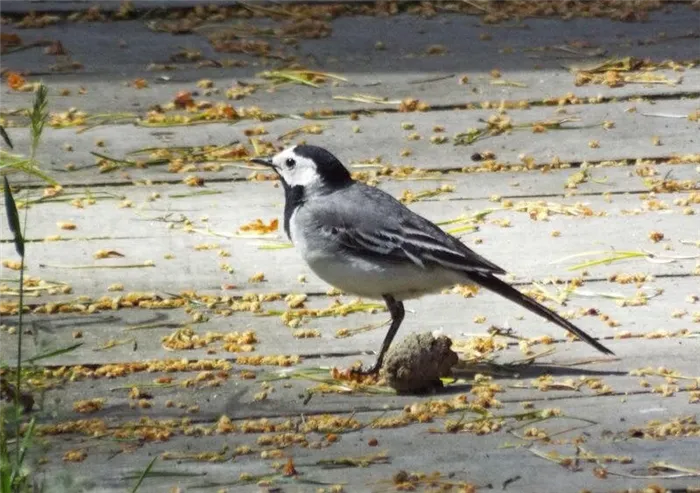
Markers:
(265, 161)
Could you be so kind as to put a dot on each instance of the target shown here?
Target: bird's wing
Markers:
(385, 228)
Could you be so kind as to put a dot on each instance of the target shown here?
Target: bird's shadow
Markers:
(53, 327)
(521, 372)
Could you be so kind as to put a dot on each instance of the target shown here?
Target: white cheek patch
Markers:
(304, 176)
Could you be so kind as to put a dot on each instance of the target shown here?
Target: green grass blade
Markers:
(38, 117)
(6, 137)
(13, 218)
(25, 166)
(26, 440)
(55, 352)
(608, 260)
(144, 474)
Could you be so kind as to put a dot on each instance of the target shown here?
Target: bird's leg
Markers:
(397, 313)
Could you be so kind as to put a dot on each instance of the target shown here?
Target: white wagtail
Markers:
(363, 241)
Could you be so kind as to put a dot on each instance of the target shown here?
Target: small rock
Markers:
(416, 364)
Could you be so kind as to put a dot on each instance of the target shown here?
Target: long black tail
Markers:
(494, 284)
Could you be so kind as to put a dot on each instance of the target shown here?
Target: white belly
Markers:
(370, 278)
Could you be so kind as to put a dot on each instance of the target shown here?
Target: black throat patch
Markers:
(293, 198)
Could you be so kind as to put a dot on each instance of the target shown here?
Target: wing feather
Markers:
(390, 231)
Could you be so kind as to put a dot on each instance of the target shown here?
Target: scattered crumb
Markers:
(656, 236)
(193, 181)
(257, 277)
(88, 405)
(436, 50)
(75, 456)
(66, 225)
(12, 264)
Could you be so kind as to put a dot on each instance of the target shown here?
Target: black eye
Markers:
(290, 163)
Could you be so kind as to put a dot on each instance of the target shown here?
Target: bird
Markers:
(363, 241)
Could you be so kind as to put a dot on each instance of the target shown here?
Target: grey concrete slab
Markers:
(392, 73)
(669, 312)
(459, 457)
(174, 254)
(634, 371)
(586, 138)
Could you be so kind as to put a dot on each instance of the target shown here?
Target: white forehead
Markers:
(303, 173)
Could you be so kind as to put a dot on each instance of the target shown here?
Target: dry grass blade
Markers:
(313, 129)
(155, 325)
(408, 196)
(689, 472)
(625, 64)
(560, 298)
(213, 456)
(616, 72)
(197, 194)
(106, 119)
(617, 256)
(462, 229)
(266, 10)
(361, 461)
(367, 99)
(607, 259)
(280, 77)
(343, 333)
(552, 457)
(303, 77)
(500, 125)
(508, 83)
(657, 467)
(466, 223)
(112, 343)
(80, 267)
(276, 246)
(530, 359)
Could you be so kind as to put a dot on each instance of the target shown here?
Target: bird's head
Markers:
(309, 167)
